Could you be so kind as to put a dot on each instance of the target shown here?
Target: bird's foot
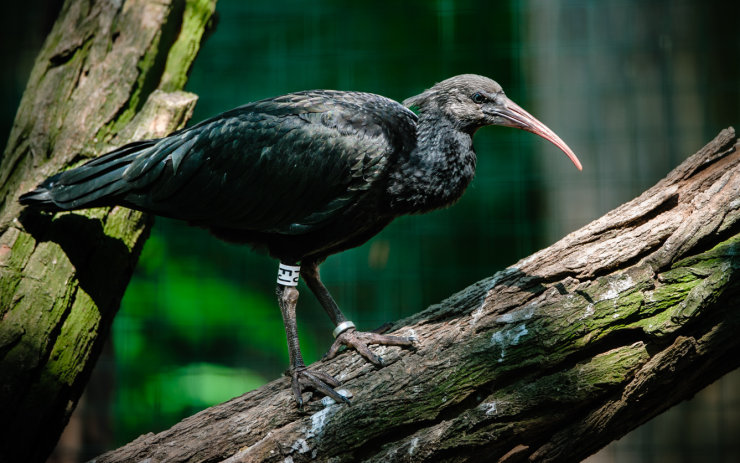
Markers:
(359, 340)
(302, 378)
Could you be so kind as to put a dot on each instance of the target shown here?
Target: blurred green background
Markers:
(633, 87)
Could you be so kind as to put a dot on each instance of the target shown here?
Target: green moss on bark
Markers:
(195, 24)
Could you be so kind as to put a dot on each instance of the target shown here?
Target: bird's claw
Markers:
(302, 378)
(359, 340)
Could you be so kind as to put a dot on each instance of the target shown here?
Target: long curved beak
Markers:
(517, 117)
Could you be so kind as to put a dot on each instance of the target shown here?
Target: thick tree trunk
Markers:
(548, 360)
(109, 73)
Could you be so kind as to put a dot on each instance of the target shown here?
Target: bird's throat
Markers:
(434, 174)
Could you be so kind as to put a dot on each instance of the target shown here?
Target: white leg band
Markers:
(342, 327)
(288, 274)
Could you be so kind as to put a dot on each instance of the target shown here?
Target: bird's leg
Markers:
(345, 333)
(301, 376)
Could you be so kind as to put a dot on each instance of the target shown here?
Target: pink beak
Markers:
(519, 118)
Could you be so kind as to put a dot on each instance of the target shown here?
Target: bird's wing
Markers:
(285, 165)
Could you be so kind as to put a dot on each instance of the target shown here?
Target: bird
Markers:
(303, 176)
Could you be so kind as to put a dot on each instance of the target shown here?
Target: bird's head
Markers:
(471, 102)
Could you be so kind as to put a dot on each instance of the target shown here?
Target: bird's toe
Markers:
(360, 341)
(303, 378)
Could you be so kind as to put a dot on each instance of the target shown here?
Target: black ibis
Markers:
(304, 175)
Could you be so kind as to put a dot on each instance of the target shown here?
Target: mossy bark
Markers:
(547, 361)
(97, 83)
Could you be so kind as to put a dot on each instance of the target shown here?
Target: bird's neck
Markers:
(436, 173)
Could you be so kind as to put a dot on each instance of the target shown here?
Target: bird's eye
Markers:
(478, 97)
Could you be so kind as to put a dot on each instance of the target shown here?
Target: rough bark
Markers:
(548, 360)
(109, 73)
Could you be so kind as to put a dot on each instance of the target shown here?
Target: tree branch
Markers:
(94, 86)
(548, 360)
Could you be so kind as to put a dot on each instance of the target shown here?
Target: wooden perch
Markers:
(109, 73)
(547, 361)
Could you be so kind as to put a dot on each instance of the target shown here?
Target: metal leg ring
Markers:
(342, 327)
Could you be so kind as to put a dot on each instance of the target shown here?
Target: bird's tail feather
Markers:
(95, 183)
(40, 197)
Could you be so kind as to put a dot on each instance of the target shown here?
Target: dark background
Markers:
(633, 87)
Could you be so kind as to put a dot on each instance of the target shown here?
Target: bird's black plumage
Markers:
(303, 175)
(289, 166)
